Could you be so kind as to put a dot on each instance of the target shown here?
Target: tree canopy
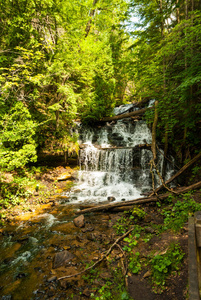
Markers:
(66, 60)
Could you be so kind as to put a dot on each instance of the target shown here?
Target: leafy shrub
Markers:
(17, 145)
(163, 264)
(134, 263)
(176, 216)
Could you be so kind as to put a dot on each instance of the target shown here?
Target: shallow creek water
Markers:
(27, 248)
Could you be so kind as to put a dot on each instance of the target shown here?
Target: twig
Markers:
(163, 182)
(124, 268)
(100, 260)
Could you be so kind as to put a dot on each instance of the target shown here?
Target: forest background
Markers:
(62, 61)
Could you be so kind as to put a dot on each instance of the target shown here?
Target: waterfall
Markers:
(115, 162)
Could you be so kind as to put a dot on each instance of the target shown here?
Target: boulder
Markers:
(79, 221)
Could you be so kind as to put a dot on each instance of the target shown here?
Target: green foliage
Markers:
(176, 215)
(130, 217)
(137, 213)
(166, 67)
(63, 60)
(195, 172)
(132, 239)
(162, 265)
(134, 264)
(121, 225)
(14, 192)
(113, 289)
(17, 138)
(132, 242)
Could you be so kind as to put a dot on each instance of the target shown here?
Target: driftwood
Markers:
(100, 260)
(186, 166)
(127, 115)
(110, 206)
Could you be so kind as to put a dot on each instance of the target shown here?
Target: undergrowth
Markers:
(176, 214)
(17, 187)
(162, 265)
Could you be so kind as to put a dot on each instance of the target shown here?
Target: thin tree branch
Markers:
(100, 260)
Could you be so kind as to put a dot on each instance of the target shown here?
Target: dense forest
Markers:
(66, 60)
(69, 62)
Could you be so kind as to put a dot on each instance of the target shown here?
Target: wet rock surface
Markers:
(79, 221)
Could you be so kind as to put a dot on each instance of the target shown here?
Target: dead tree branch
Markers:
(127, 115)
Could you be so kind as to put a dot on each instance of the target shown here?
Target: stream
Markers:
(114, 166)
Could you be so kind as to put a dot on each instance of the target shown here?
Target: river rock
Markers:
(79, 221)
(62, 258)
(64, 176)
(111, 198)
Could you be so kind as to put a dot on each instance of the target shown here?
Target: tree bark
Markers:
(153, 146)
(110, 206)
(178, 12)
(127, 115)
(92, 13)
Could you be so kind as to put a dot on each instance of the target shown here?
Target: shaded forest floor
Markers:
(116, 277)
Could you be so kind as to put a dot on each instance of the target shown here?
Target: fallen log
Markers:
(110, 206)
(127, 115)
(141, 146)
(186, 166)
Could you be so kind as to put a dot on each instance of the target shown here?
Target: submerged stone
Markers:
(61, 258)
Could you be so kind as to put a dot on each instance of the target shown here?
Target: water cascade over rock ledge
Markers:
(115, 162)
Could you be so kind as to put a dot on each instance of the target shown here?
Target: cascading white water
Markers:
(114, 162)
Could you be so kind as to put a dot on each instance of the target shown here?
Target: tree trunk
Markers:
(153, 146)
(178, 12)
(127, 115)
(57, 120)
(92, 13)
